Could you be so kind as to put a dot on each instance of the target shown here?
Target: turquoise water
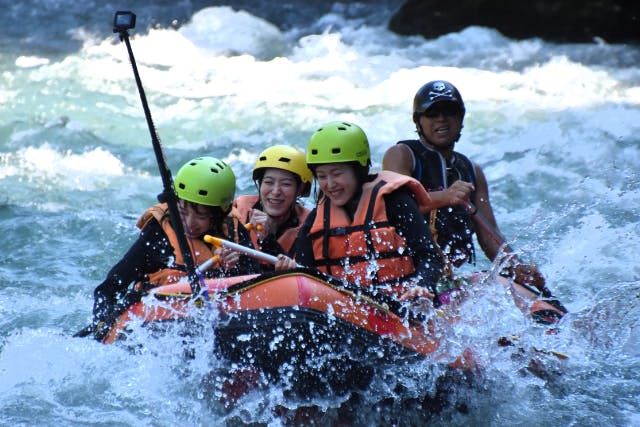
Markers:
(554, 126)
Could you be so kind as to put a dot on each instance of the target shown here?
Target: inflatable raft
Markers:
(274, 318)
(298, 317)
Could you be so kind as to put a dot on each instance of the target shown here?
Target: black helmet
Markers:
(436, 91)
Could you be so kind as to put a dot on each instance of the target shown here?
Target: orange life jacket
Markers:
(199, 249)
(367, 250)
(242, 207)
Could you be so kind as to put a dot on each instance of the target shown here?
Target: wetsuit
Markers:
(454, 226)
(150, 253)
(280, 242)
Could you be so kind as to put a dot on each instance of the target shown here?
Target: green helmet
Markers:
(206, 181)
(339, 142)
(286, 158)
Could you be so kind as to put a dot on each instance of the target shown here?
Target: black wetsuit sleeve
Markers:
(302, 248)
(271, 246)
(404, 214)
(270, 243)
(246, 264)
(149, 253)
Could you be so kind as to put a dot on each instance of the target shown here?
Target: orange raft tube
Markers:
(287, 312)
(274, 318)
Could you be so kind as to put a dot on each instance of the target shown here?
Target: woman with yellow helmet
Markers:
(205, 187)
(275, 214)
(366, 228)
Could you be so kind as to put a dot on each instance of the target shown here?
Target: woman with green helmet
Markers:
(366, 228)
(205, 187)
(275, 214)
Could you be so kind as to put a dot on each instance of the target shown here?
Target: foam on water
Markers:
(46, 163)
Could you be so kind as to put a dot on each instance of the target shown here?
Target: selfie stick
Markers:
(122, 22)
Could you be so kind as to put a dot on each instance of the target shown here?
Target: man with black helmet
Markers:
(451, 178)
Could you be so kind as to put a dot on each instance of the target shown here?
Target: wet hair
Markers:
(218, 216)
(361, 172)
(216, 213)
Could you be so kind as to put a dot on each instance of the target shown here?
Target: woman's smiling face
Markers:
(278, 192)
(338, 182)
(197, 218)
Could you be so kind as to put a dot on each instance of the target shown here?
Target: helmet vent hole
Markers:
(203, 192)
(214, 170)
(314, 151)
(284, 160)
(182, 186)
(335, 150)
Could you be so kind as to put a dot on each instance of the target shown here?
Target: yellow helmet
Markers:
(286, 158)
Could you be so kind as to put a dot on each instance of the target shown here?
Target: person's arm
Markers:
(481, 201)
(525, 273)
(245, 263)
(403, 212)
(398, 158)
(149, 253)
(302, 248)
(271, 246)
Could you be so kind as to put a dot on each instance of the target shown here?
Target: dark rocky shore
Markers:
(563, 21)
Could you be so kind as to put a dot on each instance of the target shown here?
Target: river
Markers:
(555, 126)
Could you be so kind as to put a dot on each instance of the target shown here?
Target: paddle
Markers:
(122, 22)
(259, 255)
(501, 240)
(376, 297)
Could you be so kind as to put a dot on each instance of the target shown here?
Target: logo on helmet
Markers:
(439, 86)
(439, 89)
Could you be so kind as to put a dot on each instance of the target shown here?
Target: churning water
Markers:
(555, 127)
